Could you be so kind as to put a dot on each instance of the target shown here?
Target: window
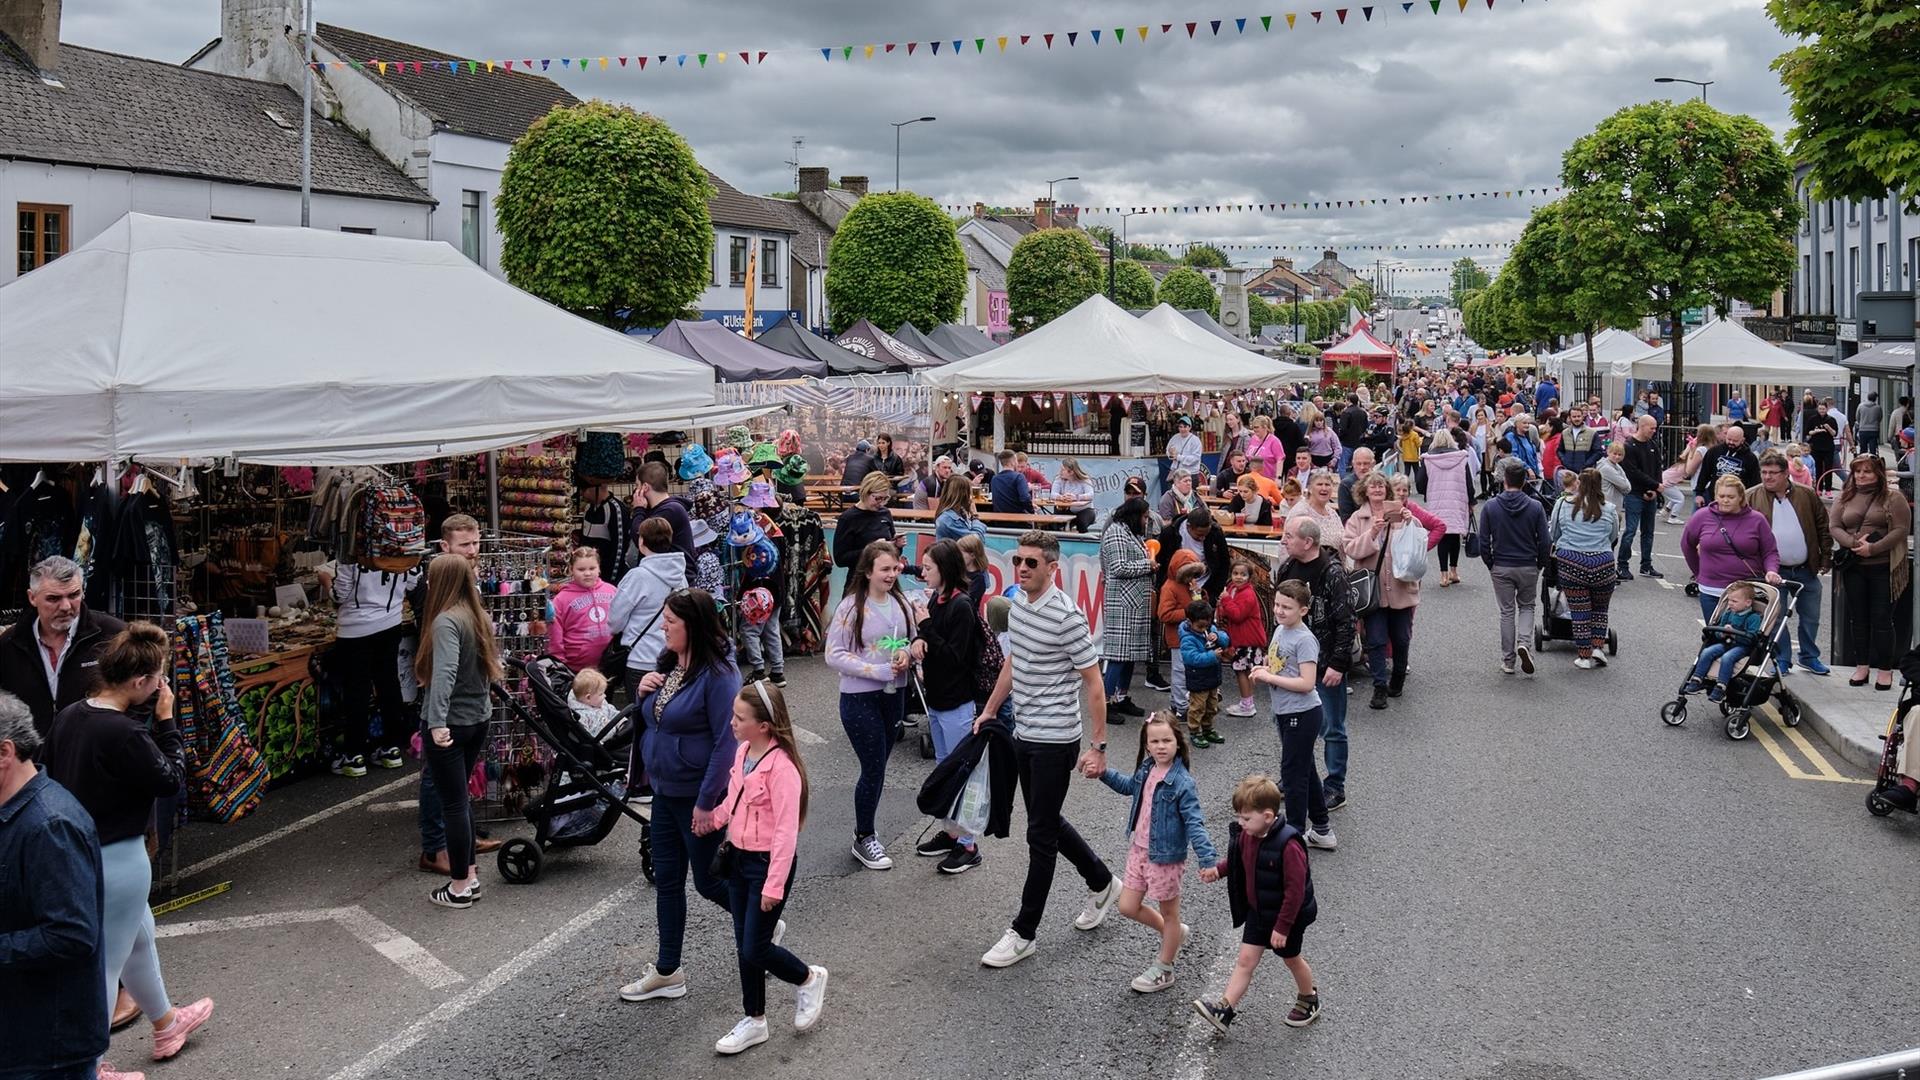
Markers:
(1806, 283)
(360, 229)
(1806, 219)
(473, 226)
(43, 234)
(1880, 209)
(1828, 207)
(1880, 266)
(737, 261)
(770, 263)
(1913, 257)
(1853, 276)
(1827, 278)
(1853, 212)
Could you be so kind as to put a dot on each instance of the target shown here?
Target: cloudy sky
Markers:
(1405, 104)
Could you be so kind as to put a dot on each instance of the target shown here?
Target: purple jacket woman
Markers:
(1724, 544)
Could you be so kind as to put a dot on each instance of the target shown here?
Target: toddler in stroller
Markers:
(1743, 635)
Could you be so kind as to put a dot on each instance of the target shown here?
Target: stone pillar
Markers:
(1233, 302)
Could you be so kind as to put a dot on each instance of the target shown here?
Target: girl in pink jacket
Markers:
(765, 804)
(581, 629)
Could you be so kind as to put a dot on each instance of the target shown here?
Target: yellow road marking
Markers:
(192, 898)
(1792, 768)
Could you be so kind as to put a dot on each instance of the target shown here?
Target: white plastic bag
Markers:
(1409, 552)
(970, 809)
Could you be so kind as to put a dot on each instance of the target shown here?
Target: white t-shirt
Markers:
(1788, 536)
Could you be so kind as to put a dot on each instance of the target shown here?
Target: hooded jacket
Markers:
(638, 603)
(582, 624)
(368, 602)
(1513, 531)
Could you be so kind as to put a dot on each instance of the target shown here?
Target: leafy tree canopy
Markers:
(1187, 288)
(1050, 273)
(1205, 257)
(1467, 275)
(1132, 285)
(1855, 84)
(603, 211)
(896, 258)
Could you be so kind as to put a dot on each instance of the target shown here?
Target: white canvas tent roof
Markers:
(1723, 351)
(1608, 345)
(1098, 347)
(166, 338)
(1165, 317)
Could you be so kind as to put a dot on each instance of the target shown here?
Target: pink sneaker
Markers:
(187, 1019)
(108, 1072)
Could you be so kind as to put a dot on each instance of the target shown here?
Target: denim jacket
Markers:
(50, 960)
(1176, 820)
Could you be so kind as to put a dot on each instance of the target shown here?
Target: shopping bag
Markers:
(1409, 553)
(976, 795)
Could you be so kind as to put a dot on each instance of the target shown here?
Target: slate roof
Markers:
(123, 112)
(811, 238)
(499, 105)
(731, 206)
(980, 260)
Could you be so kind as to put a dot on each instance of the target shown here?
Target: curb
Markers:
(1854, 751)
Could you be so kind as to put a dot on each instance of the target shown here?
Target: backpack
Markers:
(992, 659)
(393, 528)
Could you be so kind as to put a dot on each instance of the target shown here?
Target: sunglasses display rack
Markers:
(513, 573)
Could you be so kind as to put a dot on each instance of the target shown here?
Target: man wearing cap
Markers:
(859, 464)
(1183, 449)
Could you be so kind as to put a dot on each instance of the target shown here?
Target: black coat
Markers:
(857, 528)
(952, 633)
(1218, 560)
(943, 785)
(23, 676)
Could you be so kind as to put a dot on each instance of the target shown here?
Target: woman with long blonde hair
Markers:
(456, 663)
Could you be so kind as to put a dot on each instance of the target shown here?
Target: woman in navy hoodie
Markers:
(687, 748)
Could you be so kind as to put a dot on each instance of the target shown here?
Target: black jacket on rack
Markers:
(143, 561)
(40, 522)
(604, 528)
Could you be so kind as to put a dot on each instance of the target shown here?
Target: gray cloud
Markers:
(1408, 103)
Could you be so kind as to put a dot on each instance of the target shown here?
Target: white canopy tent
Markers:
(1609, 345)
(166, 338)
(1723, 351)
(1098, 347)
(1166, 318)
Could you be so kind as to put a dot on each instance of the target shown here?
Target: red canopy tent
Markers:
(1361, 350)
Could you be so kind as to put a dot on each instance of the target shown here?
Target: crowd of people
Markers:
(1361, 489)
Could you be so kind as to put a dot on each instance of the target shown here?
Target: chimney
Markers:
(812, 180)
(979, 209)
(855, 186)
(255, 36)
(34, 25)
(1043, 213)
(1330, 255)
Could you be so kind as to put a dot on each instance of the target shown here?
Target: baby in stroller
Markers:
(1739, 624)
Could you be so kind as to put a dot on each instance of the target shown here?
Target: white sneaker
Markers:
(747, 1033)
(1098, 904)
(1186, 935)
(1583, 662)
(652, 985)
(810, 999)
(1244, 708)
(1008, 951)
(1526, 658)
(1153, 980)
(1506, 667)
(1325, 841)
(779, 931)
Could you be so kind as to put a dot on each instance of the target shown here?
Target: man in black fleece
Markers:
(1642, 466)
(1731, 457)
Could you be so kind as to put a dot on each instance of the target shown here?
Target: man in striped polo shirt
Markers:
(1049, 645)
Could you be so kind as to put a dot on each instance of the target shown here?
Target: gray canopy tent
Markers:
(911, 334)
(732, 357)
(789, 337)
(964, 340)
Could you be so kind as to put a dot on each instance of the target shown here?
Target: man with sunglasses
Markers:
(1049, 643)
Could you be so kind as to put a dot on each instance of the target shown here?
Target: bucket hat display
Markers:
(730, 470)
(760, 496)
(695, 461)
(739, 438)
(744, 531)
(763, 456)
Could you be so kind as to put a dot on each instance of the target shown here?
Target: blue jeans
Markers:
(1333, 733)
(753, 933)
(1117, 677)
(676, 850)
(1807, 610)
(1728, 655)
(1707, 604)
(1869, 440)
(870, 720)
(949, 728)
(1345, 459)
(1640, 518)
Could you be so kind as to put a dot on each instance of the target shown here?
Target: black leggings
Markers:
(451, 765)
(369, 670)
(1449, 552)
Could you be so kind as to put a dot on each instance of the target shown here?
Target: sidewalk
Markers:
(1852, 719)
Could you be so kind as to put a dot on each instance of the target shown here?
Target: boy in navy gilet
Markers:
(1270, 892)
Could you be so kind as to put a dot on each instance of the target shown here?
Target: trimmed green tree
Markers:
(1132, 285)
(1467, 276)
(1205, 257)
(1186, 288)
(603, 211)
(1671, 206)
(1547, 292)
(1855, 84)
(896, 258)
(1050, 273)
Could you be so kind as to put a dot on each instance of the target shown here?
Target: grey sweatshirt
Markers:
(456, 696)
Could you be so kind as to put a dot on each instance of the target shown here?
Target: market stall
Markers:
(963, 341)
(1179, 325)
(911, 335)
(789, 337)
(732, 357)
(1361, 350)
(893, 354)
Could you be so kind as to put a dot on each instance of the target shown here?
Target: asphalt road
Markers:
(1536, 881)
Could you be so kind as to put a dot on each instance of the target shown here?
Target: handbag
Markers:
(613, 662)
(721, 868)
(1470, 543)
(1364, 585)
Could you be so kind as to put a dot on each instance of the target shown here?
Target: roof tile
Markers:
(497, 105)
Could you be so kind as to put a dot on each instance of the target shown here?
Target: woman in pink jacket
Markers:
(1383, 508)
(581, 629)
(1450, 498)
(765, 805)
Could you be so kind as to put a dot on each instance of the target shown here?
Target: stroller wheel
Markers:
(520, 861)
(1674, 713)
(1738, 724)
(1613, 643)
(926, 742)
(1539, 640)
(1789, 709)
(1877, 804)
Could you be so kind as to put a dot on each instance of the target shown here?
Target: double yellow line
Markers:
(1766, 716)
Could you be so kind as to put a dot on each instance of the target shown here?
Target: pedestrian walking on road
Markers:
(1246, 628)
(1270, 893)
(1317, 565)
(1584, 530)
(686, 709)
(948, 643)
(1385, 507)
(1049, 645)
(1292, 669)
(1646, 480)
(1450, 497)
(116, 769)
(457, 661)
(1728, 541)
(1800, 535)
(1203, 653)
(765, 805)
(1163, 821)
(868, 644)
(1514, 544)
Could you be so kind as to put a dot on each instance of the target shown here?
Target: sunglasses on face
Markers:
(1027, 562)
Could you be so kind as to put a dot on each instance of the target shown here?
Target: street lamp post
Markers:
(1057, 180)
(1694, 82)
(896, 144)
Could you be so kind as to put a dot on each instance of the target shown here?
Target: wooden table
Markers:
(1005, 521)
(1255, 532)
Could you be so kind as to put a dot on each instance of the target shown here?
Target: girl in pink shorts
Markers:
(1163, 821)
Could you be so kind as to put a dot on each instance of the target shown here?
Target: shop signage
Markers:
(1812, 329)
(1847, 329)
(736, 319)
(997, 310)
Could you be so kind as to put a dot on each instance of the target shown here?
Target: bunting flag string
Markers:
(1074, 209)
(1115, 37)
(1178, 247)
